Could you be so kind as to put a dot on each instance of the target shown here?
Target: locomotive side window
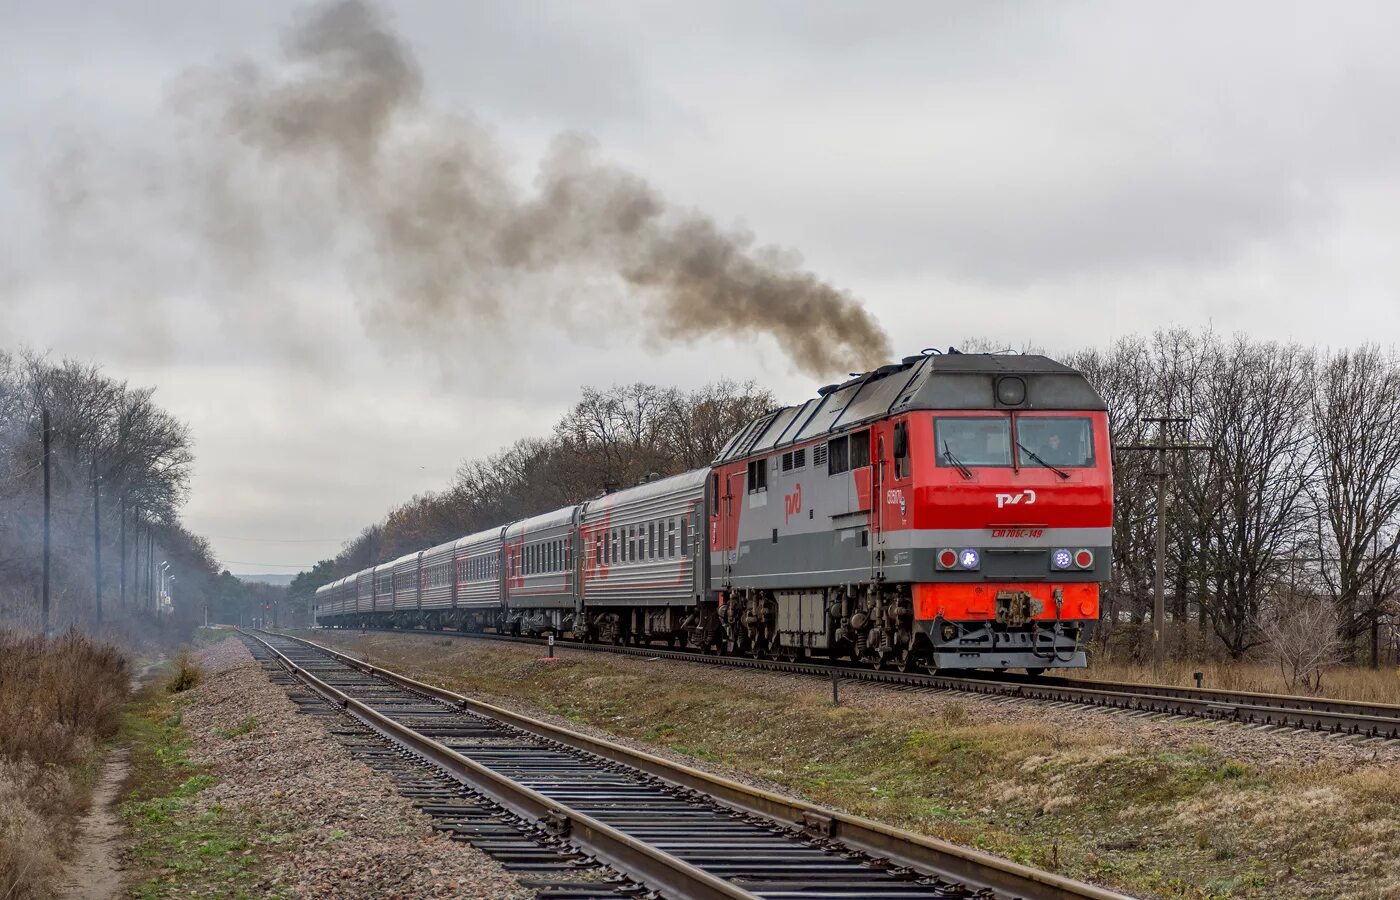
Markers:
(901, 449)
(837, 458)
(1063, 441)
(860, 449)
(973, 441)
(758, 476)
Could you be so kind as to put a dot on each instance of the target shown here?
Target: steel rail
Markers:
(646, 864)
(918, 852)
(1323, 715)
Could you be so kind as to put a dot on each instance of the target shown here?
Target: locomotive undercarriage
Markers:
(865, 624)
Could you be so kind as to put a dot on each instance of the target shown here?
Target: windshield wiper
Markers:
(1033, 455)
(948, 455)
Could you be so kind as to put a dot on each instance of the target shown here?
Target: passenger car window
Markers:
(973, 441)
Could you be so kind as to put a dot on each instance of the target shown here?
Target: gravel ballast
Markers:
(345, 831)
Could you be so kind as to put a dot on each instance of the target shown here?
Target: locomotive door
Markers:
(877, 511)
(727, 538)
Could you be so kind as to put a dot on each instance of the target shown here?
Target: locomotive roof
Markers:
(951, 381)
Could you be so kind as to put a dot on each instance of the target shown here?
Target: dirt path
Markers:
(95, 873)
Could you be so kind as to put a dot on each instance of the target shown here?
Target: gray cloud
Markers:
(1052, 173)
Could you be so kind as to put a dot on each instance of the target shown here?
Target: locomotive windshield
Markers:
(973, 442)
(1055, 441)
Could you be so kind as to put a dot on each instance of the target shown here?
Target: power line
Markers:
(225, 537)
(245, 562)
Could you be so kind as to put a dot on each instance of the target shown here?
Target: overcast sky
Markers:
(1061, 174)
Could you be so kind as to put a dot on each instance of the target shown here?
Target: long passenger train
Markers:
(949, 511)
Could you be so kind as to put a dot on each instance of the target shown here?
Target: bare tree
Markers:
(1253, 489)
(1356, 429)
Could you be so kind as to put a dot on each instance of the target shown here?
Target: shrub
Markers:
(1303, 637)
(187, 673)
(58, 696)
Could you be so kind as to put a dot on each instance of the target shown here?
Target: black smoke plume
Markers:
(453, 240)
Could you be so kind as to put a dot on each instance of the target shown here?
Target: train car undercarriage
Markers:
(852, 623)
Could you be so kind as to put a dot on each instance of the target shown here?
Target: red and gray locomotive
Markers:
(949, 511)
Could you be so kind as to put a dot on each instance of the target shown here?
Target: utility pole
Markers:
(48, 440)
(121, 553)
(1159, 605)
(150, 597)
(96, 540)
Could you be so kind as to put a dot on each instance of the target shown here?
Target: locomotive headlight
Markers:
(1061, 559)
(947, 559)
(950, 631)
(969, 559)
(1084, 559)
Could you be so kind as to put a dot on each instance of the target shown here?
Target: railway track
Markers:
(1363, 723)
(666, 829)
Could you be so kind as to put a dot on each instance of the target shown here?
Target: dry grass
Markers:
(59, 699)
(58, 696)
(1340, 682)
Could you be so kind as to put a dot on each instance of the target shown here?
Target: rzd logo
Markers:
(1027, 497)
(792, 504)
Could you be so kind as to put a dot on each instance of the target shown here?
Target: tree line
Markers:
(1289, 519)
(611, 438)
(1286, 527)
(119, 469)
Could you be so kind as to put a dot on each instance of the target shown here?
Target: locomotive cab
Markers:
(1012, 512)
